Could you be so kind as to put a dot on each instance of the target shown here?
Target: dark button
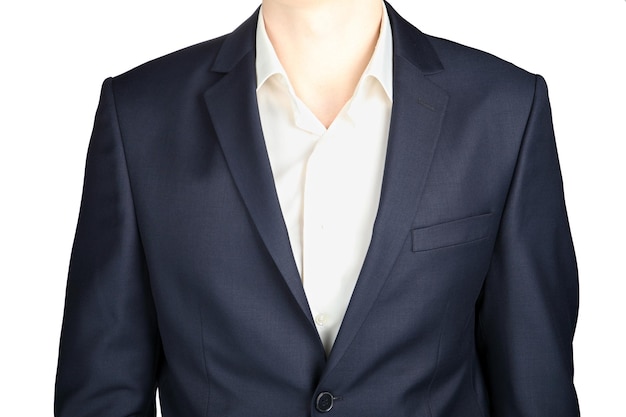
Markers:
(324, 402)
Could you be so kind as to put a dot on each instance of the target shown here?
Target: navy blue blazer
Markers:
(182, 277)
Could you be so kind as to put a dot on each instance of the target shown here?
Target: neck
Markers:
(324, 46)
(303, 20)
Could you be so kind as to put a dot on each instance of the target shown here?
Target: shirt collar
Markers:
(267, 63)
(379, 67)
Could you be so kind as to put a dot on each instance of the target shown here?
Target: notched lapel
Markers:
(418, 111)
(233, 109)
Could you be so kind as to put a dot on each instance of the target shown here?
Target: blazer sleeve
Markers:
(109, 348)
(528, 308)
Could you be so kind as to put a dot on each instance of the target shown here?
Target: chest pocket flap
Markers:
(451, 233)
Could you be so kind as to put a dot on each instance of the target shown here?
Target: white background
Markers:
(55, 54)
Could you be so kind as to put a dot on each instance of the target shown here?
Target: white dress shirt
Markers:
(328, 181)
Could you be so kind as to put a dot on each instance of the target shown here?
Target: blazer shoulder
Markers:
(190, 65)
(458, 57)
(476, 75)
(194, 67)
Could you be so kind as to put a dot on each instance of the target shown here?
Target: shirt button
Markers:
(321, 319)
(324, 402)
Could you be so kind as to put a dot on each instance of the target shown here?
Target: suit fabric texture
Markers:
(182, 276)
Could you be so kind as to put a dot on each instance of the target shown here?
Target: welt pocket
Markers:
(451, 233)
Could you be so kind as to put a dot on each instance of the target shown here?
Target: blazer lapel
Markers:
(232, 105)
(417, 114)
(416, 119)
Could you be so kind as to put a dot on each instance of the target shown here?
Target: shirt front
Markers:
(328, 181)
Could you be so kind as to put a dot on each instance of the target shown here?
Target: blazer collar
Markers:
(408, 42)
(237, 45)
(412, 45)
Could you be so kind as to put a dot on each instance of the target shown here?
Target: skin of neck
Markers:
(324, 47)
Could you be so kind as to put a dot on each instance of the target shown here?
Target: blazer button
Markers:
(324, 402)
